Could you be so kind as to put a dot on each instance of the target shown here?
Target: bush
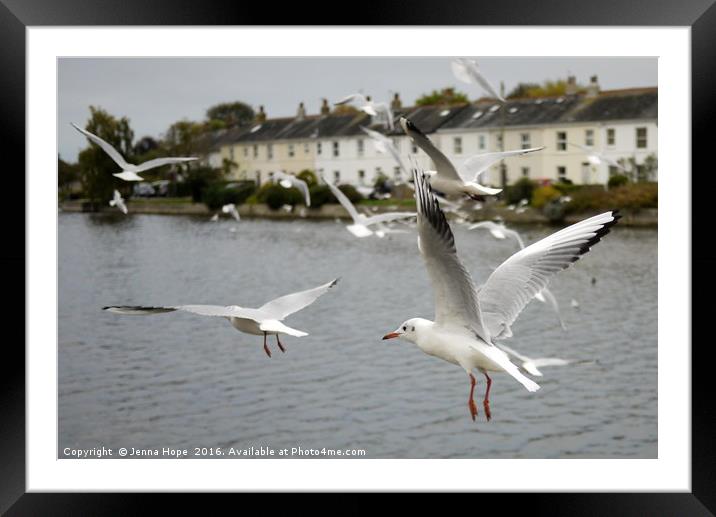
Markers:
(308, 176)
(631, 196)
(275, 196)
(617, 180)
(320, 195)
(542, 195)
(566, 187)
(519, 190)
(217, 195)
(351, 193)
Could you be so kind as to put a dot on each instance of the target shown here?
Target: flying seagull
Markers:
(129, 171)
(467, 320)
(383, 144)
(230, 208)
(266, 320)
(289, 180)
(118, 202)
(468, 72)
(447, 178)
(597, 158)
(374, 109)
(499, 231)
(361, 222)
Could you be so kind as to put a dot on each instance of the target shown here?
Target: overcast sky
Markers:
(155, 92)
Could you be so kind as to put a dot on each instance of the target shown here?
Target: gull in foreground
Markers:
(467, 321)
(532, 366)
(129, 170)
(374, 109)
(230, 208)
(597, 158)
(383, 144)
(468, 72)
(289, 180)
(447, 178)
(361, 222)
(499, 231)
(118, 202)
(266, 320)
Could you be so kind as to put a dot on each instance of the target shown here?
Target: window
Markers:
(291, 151)
(498, 139)
(361, 176)
(561, 173)
(246, 152)
(256, 151)
(589, 137)
(269, 151)
(231, 154)
(336, 176)
(318, 148)
(613, 171)
(361, 147)
(481, 142)
(457, 145)
(305, 148)
(525, 172)
(335, 148)
(641, 137)
(611, 137)
(525, 140)
(561, 140)
(396, 173)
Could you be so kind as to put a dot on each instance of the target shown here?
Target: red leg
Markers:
(279, 344)
(486, 402)
(266, 349)
(471, 401)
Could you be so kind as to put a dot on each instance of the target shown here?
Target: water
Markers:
(183, 381)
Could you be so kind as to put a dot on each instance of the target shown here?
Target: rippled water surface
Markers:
(185, 381)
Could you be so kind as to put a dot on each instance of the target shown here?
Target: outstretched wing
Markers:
(470, 69)
(456, 302)
(355, 97)
(158, 162)
(111, 151)
(478, 164)
(281, 307)
(518, 279)
(231, 311)
(385, 144)
(444, 167)
(343, 200)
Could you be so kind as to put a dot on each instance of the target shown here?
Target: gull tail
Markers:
(475, 189)
(279, 328)
(501, 359)
(128, 176)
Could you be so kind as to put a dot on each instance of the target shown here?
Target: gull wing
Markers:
(387, 217)
(456, 301)
(231, 311)
(385, 144)
(343, 200)
(518, 279)
(547, 294)
(444, 167)
(281, 307)
(296, 182)
(107, 148)
(158, 162)
(354, 97)
(471, 70)
(478, 164)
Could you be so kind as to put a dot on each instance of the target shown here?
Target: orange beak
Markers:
(391, 335)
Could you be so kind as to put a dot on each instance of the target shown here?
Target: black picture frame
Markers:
(700, 16)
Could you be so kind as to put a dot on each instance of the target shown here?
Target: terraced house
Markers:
(618, 124)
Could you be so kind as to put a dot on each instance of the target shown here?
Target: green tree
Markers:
(546, 89)
(230, 114)
(445, 96)
(308, 176)
(95, 166)
(67, 174)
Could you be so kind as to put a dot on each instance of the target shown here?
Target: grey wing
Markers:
(111, 151)
(480, 79)
(158, 162)
(355, 97)
(343, 200)
(478, 164)
(518, 279)
(387, 217)
(281, 307)
(456, 301)
(203, 310)
(444, 166)
(303, 187)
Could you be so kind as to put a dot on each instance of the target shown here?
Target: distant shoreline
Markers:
(646, 217)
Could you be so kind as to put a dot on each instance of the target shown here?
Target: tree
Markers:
(145, 145)
(67, 174)
(231, 113)
(95, 166)
(445, 96)
(546, 89)
(522, 90)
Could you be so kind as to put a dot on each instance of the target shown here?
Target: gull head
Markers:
(409, 329)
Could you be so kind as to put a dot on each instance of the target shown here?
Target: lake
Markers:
(183, 381)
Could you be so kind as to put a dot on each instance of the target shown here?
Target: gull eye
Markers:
(412, 329)
(405, 328)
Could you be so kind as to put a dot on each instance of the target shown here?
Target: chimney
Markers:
(593, 88)
(571, 85)
(325, 108)
(261, 115)
(396, 103)
(301, 113)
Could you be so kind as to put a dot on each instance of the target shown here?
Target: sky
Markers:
(155, 92)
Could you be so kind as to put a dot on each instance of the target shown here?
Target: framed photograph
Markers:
(261, 175)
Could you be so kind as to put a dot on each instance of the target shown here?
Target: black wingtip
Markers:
(335, 281)
(600, 233)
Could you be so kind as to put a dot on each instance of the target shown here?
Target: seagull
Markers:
(574, 303)
(499, 231)
(361, 222)
(289, 180)
(383, 144)
(118, 202)
(231, 209)
(447, 179)
(266, 320)
(467, 321)
(597, 158)
(468, 72)
(129, 171)
(379, 109)
(214, 218)
(531, 365)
